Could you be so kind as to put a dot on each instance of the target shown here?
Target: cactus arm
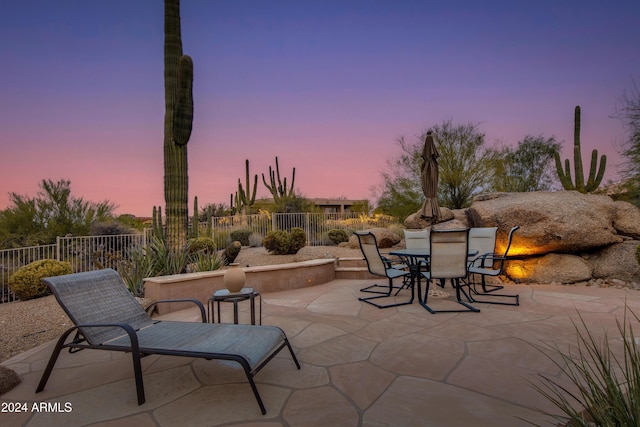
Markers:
(594, 180)
(195, 222)
(293, 178)
(183, 112)
(564, 175)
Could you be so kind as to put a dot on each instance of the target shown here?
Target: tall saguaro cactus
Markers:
(593, 180)
(243, 196)
(278, 187)
(178, 121)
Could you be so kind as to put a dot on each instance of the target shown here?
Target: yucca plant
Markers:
(605, 386)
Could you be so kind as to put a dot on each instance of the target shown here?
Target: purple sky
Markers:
(327, 86)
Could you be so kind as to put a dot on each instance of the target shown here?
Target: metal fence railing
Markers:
(315, 225)
(87, 253)
(83, 253)
(12, 259)
(96, 252)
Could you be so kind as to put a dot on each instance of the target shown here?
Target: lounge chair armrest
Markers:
(133, 336)
(151, 306)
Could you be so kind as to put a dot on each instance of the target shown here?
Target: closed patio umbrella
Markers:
(429, 179)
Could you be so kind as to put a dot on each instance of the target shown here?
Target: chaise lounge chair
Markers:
(108, 317)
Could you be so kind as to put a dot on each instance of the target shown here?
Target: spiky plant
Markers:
(178, 121)
(605, 385)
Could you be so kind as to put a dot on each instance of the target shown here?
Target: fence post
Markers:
(57, 248)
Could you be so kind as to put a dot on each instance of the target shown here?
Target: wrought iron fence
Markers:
(12, 259)
(315, 225)
(83, 253)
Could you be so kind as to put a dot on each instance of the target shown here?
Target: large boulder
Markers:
(415, 221)
(626, 219)
(551, 222)
(384, 238)
(558, 268)
(617, 261)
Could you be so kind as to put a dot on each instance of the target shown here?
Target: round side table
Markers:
(223, 295)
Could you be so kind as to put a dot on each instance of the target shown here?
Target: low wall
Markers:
(268, 278)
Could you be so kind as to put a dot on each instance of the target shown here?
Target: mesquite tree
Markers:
(178, 120)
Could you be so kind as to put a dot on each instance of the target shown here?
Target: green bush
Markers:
(297, 240)
(285, 243)
(241, 236)
(202, 244)
(26, 284)
(277, 242)
(338, 236)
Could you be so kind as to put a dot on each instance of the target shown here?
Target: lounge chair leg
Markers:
(137, 372)
(52, 360)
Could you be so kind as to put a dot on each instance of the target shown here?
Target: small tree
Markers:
(527, 168)
(629, 114)
(52, 212)
(465, 165)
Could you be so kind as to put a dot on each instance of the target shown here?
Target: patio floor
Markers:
(361, 366)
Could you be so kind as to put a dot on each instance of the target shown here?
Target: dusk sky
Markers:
(327, 86)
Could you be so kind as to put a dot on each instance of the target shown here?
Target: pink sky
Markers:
(326, 86)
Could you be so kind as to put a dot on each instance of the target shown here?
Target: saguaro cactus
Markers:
(565, 175)
(279, 189)
(243, 197)
(178, 121)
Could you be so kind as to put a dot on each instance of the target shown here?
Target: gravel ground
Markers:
(28, 324)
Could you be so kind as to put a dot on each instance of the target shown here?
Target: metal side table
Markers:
(223, 295)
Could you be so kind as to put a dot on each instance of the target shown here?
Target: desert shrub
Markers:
(26, 284)
(285, 243)
(297, 239)
(277, 242)
(202, 244)
(108, 228)
(241, 236)
(338, 236)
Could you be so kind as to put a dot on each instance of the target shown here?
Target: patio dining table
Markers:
(415, 259)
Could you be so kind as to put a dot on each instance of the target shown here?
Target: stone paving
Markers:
(361, 366)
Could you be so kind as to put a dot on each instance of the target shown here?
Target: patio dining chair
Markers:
(482, 242)
(379, 265)
(416, 239)
(448, 253)
(491, 264)
(107, 317)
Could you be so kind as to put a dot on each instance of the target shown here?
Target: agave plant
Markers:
(605, 387)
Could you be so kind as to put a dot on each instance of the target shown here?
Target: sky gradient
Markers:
(327, 86)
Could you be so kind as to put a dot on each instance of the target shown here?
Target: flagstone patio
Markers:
(361, 366)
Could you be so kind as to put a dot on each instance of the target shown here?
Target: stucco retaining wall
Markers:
(270, 278)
